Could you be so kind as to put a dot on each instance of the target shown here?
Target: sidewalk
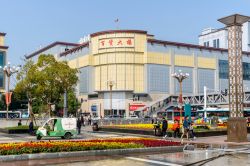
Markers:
(217, 141)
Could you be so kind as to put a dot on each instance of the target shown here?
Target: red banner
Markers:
(8, 97)
(135, 107)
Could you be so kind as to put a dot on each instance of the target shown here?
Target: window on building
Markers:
(246, 71)
(205, 44)
(218, 43)
(223, 69)
(208, 44)
(214, 43)
(1, 72)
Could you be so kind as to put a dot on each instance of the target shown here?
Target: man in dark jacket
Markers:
(31, 128)
(164, 127)
(79, 125)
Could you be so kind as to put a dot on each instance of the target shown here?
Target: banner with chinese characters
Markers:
(116, 42)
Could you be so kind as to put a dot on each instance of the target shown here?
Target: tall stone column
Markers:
(237, 128)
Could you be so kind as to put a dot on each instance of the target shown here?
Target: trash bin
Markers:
(157, 130)
(95, 126)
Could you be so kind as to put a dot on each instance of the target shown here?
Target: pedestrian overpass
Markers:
(170, 101)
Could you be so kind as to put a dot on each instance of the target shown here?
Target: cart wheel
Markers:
(67, 136)
(38, 137)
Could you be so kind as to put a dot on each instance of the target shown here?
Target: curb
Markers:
(89, 153)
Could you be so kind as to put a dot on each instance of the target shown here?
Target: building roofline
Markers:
(4, 47)
(117, 31)
(217, 30)
(191, 46)
(50, 46)
(2, 34)
(86, 44)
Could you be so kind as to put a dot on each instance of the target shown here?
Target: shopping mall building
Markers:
(140, 67)
(3, 54)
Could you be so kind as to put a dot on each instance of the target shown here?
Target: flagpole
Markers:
(117, 23)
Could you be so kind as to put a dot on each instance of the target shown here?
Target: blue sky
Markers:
(33, 23)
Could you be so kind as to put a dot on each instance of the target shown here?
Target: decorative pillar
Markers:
(237, 127)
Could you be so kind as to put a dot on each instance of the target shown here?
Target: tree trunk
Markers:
(32, 118)
(65, 104)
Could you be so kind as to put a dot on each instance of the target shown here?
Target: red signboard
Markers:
(134, 107)
(116, 42)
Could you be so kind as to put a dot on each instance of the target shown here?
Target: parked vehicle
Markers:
(133, 117)
(57, 127)
(25, 115)
(113, 117)
(11, 114)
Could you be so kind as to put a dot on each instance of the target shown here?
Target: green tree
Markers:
(28, 84)
(45, 82)
(56, 78)
(73, 103)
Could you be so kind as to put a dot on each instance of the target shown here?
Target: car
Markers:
(25, 115)
(95, 118)
(133, 117)
(113, 117)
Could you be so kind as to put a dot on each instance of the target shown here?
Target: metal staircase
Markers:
(166, 102)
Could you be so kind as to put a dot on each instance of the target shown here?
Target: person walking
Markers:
(79, 125)
(19, 123)
(191, 131)
(82, 120)
(89, 120)
(176, 128)
(164, 127)
(185, 128)
(31, 128)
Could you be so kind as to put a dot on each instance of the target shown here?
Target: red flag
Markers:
(8, 97)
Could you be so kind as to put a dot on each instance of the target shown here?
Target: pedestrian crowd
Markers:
(187, 128)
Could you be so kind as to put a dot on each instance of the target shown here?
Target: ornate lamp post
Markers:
(180, 77)
(111, 84)
(237, 129)
(8, 71)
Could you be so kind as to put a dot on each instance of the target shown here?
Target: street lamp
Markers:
(111, 84)
(236, 128)
(8, 71)
(180, 77)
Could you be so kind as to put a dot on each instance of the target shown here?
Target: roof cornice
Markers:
(50, 46)
(72, 50)
(190, 46)
(4, 47)
(117, 31)
(2, 34)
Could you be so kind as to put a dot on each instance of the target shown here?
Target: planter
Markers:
(158, 132)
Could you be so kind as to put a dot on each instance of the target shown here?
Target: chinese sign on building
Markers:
(116, 42)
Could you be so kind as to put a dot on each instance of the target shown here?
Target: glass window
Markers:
(246, 71)
(205, 78)
(218, 43)
(223, 69)
(214, 43)
(1, 72)
(208, 44)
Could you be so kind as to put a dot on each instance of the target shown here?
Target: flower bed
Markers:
(82, 145)
(137, 126)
